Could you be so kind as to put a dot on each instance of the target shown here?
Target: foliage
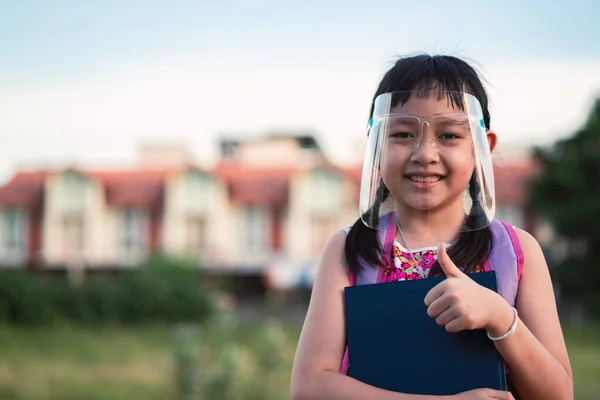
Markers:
(568, 194)
(162, 289)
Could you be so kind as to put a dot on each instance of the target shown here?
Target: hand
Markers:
(459, 303)
(483, 394)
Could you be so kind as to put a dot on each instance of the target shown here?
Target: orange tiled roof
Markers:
(134, 194)
(131, 175)
(264, 192)
(133, 188)
(246, 185)
(24, 190)
(256, 185)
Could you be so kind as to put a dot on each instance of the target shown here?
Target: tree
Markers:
(567, 192)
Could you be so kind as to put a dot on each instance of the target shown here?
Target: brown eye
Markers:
(449, 137)
(402, 135)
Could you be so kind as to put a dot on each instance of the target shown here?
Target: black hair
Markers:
(446, 74)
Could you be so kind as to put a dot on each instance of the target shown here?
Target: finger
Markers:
(438, 306)
(499, 394)
(456, 324)
(436, 292)
(444, 318)
(449, 268)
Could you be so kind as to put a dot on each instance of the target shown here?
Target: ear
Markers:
(492, 140)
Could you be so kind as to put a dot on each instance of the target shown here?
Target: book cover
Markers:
(393, 344)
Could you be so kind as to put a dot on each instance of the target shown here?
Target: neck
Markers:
(430, 228)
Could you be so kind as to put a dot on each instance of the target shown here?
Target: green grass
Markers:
(71, 362)
(584, 352)
(76, 363)
(79, 363)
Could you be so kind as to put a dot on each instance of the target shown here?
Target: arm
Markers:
(536, 353)
(315, 374)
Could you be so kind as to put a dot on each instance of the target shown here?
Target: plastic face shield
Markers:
(427, 150)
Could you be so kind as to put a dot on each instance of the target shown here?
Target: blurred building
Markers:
(269, 204)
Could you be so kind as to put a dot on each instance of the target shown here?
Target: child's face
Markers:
(431, 170)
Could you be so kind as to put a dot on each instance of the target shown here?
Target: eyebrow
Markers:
(450, 121)
(404, 122)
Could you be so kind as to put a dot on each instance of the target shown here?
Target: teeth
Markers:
(425, 179)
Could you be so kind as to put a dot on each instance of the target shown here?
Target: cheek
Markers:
(461, 169)
(395, 158)
(392, 171)
(393, 165)
(460, 161)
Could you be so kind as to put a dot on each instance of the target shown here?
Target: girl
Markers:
(427, 180)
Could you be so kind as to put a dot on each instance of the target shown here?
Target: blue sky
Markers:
(64, 38)
(87, 81)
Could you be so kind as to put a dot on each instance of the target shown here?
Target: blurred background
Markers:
(170, 172)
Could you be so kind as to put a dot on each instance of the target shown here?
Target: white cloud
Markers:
(539, 102)
(103, 120)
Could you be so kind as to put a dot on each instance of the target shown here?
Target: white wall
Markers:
(196, 194)
(317, 194)
(70, 193)
(116, 253)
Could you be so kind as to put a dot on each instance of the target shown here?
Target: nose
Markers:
(425, 151)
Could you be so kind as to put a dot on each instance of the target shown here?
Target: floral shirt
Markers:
(405, 266)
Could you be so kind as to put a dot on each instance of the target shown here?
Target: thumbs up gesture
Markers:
(459, 303)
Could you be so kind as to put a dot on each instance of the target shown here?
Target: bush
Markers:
(222, 360)
(578, 279)
(162, 289)
(24, 298)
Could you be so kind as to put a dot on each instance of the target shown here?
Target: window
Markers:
(13, 230)
(73, 188)
(132, 230)
(324, 192)
(73, 234)
(514, 215)
(256, 232)
(196, 235)
(198, 192)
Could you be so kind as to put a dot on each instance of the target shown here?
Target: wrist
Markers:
(501, 321)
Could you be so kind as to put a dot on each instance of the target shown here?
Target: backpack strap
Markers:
(386, 232)
(517, 247)
(351, 278)
(506, 258)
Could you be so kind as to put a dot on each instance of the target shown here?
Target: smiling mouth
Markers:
(425, 179)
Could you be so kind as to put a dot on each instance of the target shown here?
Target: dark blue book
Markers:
(393, 344)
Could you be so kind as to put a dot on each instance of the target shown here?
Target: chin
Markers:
(431, 202)
(423, 204)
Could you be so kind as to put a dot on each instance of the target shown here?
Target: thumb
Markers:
(449, 268)
(500, 395)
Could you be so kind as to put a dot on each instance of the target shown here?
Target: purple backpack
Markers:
(506, 258)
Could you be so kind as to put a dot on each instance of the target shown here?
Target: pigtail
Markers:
(362, 242)
(477, 217)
